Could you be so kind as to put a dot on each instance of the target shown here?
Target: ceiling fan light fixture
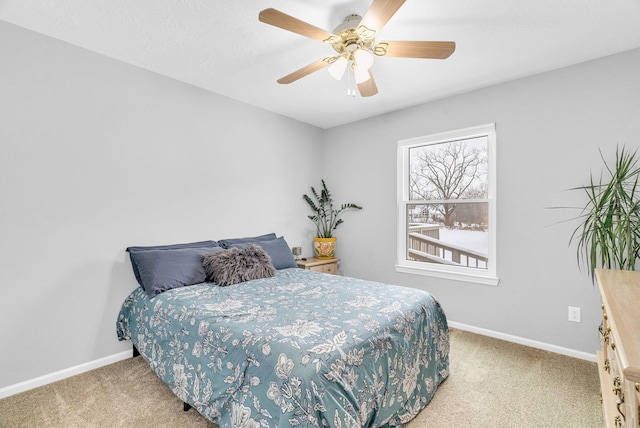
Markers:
(360, 73)
(355, 45)
(336, 70)
(363, 58)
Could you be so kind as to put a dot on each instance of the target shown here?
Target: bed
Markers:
(298, 348)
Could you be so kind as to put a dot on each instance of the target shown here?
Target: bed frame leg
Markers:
(185, 406)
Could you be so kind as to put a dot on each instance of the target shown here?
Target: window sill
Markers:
(455, 276)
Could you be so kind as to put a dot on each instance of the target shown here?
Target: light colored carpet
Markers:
(492, 383)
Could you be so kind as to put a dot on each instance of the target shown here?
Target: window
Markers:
(446, 205)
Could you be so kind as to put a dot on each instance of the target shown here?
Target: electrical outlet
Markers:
(574, 314)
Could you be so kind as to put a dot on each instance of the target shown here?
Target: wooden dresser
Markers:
(619, 359)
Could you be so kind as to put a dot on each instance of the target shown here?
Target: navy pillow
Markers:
(162, 270)
(131, 250)
(176, 246)
(234, 242)
(277, 249)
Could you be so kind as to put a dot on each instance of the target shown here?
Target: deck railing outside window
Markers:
(425, 245)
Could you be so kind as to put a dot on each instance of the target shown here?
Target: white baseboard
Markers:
(63, 374)
(91, 365)
(527, 342)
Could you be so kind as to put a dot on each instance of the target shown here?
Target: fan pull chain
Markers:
(351, 84)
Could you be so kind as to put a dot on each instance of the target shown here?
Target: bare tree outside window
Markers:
(448, 181)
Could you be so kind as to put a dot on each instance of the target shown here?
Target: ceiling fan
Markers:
(354, 42)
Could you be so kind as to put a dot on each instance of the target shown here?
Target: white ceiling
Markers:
(222, 47)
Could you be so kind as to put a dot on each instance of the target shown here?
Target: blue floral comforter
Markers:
(298, 349)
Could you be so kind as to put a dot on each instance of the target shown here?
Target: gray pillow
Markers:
(132, 250)
(234, 242)
(278, 250)
(237, 265)
(162, 270)
(280, 253)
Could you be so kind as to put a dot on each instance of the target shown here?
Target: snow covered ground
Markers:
(473, 240)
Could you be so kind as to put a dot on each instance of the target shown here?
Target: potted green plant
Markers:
(326, 218)
(609, 232)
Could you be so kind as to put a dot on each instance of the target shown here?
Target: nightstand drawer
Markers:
(331, 268)
(320, 265)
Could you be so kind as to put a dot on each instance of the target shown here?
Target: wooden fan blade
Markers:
(282, 20)
(305, 71)
(435, 50)
(377, 16)
(369, 87)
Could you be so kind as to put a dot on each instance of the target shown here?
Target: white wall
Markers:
(549, 130)
(97, 155)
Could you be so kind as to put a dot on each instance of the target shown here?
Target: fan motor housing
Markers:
(349, 39)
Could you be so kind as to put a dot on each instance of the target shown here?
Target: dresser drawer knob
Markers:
(617, 386)
(618, 422)
(605, 332)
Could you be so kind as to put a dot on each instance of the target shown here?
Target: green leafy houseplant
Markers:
(609, 233)
(325, 216)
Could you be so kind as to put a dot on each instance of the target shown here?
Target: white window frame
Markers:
(482, 276)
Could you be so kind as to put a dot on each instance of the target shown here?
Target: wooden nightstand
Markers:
(324, 265)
